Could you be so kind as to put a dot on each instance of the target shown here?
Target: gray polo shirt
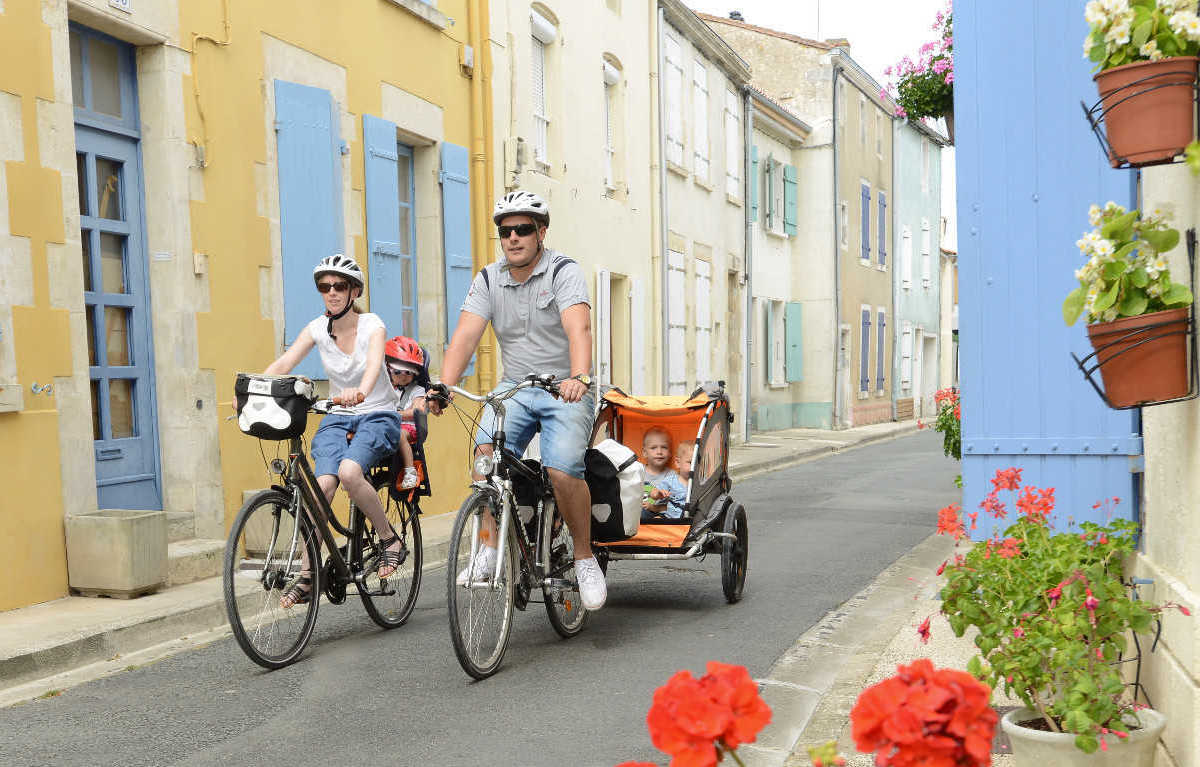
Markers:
(527, 315)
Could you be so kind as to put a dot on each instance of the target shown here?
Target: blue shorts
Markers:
(566, 427)
(376, 437)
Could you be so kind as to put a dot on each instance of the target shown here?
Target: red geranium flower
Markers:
(732, 686)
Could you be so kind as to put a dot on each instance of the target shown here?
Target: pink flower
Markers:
(1091, 603)
(949, 78)
(1103, 745)
(1185, 611)
(942, 567)
(1019, 633)
(923, 631)
(1055, 594)
(1099, 654)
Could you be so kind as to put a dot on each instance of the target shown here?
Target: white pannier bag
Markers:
(616, 479)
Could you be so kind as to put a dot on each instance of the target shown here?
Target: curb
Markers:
(807, 454)
(812, 687)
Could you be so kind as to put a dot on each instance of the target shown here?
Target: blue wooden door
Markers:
(1028, 168)
(456, 233)
(116, 289)
(310, 202)
(391, 232)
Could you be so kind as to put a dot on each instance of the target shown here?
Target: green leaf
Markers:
(1161, 240)
(1113, 269)
(1087, 743)
(1177, 294)
(1097, 53)
(1120, 228)
(1142, 33)
(1073, 305)
(1108, 298)
(1125, 250)
(1134, 303)
(1118, 58)
(975, 666)
(1139, 278)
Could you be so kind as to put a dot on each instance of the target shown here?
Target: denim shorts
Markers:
(376, 438)
(566, 427)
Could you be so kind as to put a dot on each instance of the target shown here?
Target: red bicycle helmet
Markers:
(405, 353)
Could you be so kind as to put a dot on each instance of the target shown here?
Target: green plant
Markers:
(949, 423)
(1126, 31)
(925, 88)
(1126, 274)
(1052, 610)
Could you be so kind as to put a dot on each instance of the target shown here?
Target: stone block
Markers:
(194, 559)
(117, 552)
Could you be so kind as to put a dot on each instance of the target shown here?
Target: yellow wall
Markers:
(33, 567)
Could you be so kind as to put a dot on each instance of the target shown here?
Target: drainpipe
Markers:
(748, 167)
(663, 275)
(837, 263)
(481, 168)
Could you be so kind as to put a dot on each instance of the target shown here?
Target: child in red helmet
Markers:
(406, 367)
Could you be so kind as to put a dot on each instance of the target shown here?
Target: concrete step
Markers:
(181, 525)
(193, 559)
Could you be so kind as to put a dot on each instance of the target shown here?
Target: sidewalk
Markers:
(59, 644)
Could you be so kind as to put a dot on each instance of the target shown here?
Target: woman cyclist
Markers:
(351, 346)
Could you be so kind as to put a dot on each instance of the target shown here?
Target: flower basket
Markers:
(1142, 359)
(1148, 109)
(1037, 748)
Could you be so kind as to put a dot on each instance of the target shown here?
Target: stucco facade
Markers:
(205, 171)
(917, 275)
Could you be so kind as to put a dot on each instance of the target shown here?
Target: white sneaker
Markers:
(592, 589)
(481, 569)
(410, 480)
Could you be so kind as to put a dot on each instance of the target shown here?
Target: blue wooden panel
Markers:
(881, 341)
(882, 229)
(385, 248)
(753, 183)
(1024, 186)
(864, 352)
(866, 222)
(456, 233)
(310, 201)
(790, 200)
(794, 335)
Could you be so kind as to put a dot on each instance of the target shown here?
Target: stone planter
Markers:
(116, 552)
(1035, 748)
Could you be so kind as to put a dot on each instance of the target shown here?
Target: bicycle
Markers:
(267, 544)
(537, 553)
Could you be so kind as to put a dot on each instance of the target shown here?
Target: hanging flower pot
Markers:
(1148, 109)
(1144, 358)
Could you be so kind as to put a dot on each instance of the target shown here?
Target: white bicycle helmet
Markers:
(522, 203)
(339, 264)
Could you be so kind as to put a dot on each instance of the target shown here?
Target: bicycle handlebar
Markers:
(546, 382)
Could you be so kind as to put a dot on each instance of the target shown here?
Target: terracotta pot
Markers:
(1151, 121)
(1037, 748)
(1152, 371)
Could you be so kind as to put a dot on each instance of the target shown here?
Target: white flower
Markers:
(1092, 237)
(1112, 207)
(1152, 289)
(1094, 14)
(1118, 34)
(1104, 248)
(1115, 7)
(1170, 6)
(1185, 23)
(1094, 215)
(1109, 315)
(1149, 49)
(1164, 212)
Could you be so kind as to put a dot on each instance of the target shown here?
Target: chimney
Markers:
(736, 15)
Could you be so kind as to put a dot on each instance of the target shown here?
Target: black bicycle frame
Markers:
(300, 476)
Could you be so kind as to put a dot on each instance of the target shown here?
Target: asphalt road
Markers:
(820, 532)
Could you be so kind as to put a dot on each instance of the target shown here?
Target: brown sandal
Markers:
(295, 594)
(392, 559)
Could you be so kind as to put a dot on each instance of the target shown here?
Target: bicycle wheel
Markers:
(564, 607)
(480, 616)
(389, 601)
(263, 557)
(734, 553)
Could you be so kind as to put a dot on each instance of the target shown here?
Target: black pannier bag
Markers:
(616, 480)
(273, 407)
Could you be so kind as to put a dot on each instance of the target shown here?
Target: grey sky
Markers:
(879, 31)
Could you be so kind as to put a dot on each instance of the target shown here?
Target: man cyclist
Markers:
(538, 303)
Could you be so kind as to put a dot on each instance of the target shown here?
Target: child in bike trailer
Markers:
(667, 494)
(351, 344)
(406, 367)
(683, 459)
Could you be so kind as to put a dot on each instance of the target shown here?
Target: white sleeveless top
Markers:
(346, 370)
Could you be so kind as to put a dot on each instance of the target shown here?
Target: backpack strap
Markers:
(559, 263)
(626, 464)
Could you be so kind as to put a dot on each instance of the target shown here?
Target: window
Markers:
(881, 342)
(926, 257)
(882, 229)
(841, 107)
(612, 76)
(862, 121)
(865, 219)
(674, 102)
(700, 116)
(864, 354)
(906, 254)
(844, 223)
(776, 343)
(733, 144)
(773, 191)
(544, 34)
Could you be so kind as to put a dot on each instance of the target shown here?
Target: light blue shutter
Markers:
(864, 352)
(866, 222)
(310, 199)
(386, 265)
(882, 336)
(790, 200)
(793, 335)
(456, 233)
(753, 183)
(769, 348)
(882, 229)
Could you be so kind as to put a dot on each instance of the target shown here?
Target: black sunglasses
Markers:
(341, 286)
(522, 230)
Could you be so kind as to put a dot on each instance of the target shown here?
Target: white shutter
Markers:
(906, 256)
(637, 341)
(603, 333)
(700, 117)
(677, 324)
(543, 28)
(733, 158)
(608, 150)
(703, 322)
(906, 355)
(541, 124)
(674, 103)
(926, 258)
